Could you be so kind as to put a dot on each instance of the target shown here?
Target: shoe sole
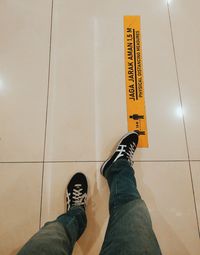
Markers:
(127, 134)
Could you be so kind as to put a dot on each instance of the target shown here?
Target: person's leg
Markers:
(58, 237)
(129, 229)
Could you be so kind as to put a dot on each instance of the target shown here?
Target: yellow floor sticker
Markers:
(134, 79)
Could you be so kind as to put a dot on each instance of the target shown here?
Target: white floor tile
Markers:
(20, 194)
(195, 166)
(186, 32)
(87, 110)
(24, 49)
(165, 187)
(87, 114)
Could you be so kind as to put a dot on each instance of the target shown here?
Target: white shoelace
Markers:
(78, 198)
(130, 153)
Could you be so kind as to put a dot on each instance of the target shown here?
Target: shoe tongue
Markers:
(77, 185)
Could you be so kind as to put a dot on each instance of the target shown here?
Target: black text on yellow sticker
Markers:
(134, 79)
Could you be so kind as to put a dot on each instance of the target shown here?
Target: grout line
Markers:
(97, 161)
(21, 162)
(183, 118)
(94, 161)
(101, 161)
(194, 160)
(46, 117)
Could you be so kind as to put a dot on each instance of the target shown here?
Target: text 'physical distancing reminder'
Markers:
(134, 79)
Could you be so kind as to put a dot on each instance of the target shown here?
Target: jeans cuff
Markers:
(117, 166)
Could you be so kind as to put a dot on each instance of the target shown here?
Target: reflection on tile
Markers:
(20, 204)
(185, 17)
(87, 110)
(24, 46)
(165, 187)
(196, 179)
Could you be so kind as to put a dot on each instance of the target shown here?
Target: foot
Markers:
(125, 150)
(76, 193)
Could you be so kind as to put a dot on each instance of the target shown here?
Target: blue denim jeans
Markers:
(129, 230)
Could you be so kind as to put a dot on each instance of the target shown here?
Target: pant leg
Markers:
(129, 230)
(57, 237)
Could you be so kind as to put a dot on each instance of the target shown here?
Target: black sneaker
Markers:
(76, 193)
(125, 150)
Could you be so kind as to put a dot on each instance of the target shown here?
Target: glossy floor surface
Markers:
(63, 108)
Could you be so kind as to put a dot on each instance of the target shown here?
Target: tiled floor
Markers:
(62, 108)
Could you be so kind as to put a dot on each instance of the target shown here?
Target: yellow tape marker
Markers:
(136, 113)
